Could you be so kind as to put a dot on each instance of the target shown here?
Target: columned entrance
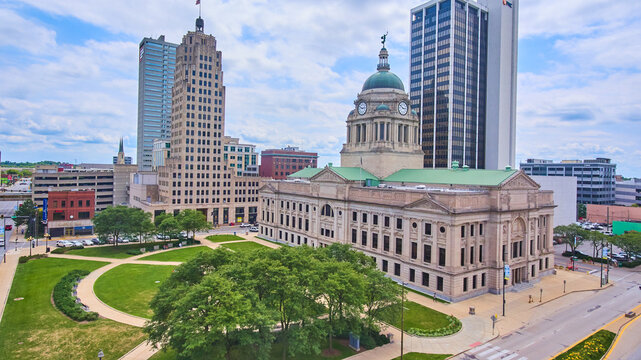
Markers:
(519, 275)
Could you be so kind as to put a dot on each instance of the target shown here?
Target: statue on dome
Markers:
(384, 37)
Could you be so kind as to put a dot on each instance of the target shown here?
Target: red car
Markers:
(8, 227)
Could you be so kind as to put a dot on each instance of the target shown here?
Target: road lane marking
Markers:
(478, 348)
(504, 352)
(487, 352)
(511, 356)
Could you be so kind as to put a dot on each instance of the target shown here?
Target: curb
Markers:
(617, 335)
(608, 285)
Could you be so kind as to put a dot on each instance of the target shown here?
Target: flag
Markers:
(198, 2)
(505, 2)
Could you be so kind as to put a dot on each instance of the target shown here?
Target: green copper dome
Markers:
(383, 80)
(382, 107)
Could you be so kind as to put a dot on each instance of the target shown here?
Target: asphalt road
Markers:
(628, 347)
(565, 321)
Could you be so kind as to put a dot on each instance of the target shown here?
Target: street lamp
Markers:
(402, 315)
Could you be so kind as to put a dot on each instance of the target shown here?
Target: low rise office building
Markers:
(628, 192)
(280, 163)
(69, 213)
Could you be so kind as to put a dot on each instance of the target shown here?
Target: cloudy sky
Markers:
(69, 70)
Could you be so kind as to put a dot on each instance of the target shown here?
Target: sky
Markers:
(292, 70)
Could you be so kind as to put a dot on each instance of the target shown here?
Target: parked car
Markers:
(95, 241)
(231, 224)
(244, 225)
(123, 241)
(63, 243)
(253, 229)
(77, 243)
(8, 227)
(87, 242)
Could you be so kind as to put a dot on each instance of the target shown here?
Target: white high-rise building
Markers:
(463, 60)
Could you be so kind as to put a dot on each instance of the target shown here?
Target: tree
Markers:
(630, 242)
(140, 223)
(160, 217)
(192, 220)
(113, 221)
(572, 235)
(597, 239)
(380, 292)
(581, 211)
(169, 227)
(26, 213)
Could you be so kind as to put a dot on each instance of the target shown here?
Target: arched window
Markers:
(327, 210)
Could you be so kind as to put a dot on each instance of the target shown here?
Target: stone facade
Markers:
(443, 240)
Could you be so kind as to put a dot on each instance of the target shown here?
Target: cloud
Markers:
(24, 34)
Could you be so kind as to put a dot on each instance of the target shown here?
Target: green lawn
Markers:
(177, 255)
(130, 287)
(592, 348)
(33, 329)
(245, 246)
(420, 356)
(223, 238)
(110, 251)
(271, 241)
(425, 295)
(416, 316)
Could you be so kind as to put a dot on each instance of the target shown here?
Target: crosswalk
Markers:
(488, 351)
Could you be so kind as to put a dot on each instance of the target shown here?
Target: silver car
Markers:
(87, 242)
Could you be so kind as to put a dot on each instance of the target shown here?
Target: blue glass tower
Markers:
(157, 61)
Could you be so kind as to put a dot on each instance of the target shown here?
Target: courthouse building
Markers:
(447, 232)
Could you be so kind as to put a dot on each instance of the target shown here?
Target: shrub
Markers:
(24, 259)
(631, 264)
(65, 302)
(453, 327)
(58, 251)
(134, 252)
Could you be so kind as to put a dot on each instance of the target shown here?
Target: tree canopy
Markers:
(225, 299)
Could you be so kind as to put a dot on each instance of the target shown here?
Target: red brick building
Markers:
(70, 212)
(278, 163)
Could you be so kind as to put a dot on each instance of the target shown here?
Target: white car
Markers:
(77, 243)
(244, 225)
(253, 229)
(63, 243)
(87, 242)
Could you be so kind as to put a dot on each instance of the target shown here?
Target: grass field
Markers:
(420, 356)
(177, 255)
(223, 238)
(33, 329)
(244, 246)
(130, 287)
(416, 316)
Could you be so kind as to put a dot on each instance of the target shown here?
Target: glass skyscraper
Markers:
(451, 45)
(157, 61)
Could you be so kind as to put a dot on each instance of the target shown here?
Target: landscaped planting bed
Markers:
(244, 246)
(123, 251)
(421, 321)
(592, 348)
(223, 238)
(177, 255)
(66, 302)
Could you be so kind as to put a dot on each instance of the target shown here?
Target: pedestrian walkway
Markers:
(490, 352)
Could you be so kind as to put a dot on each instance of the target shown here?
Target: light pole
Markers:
(402, 315)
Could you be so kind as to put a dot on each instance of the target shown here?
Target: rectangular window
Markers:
(386, 223)
(306, 224)
(399, 224)
(354, 234)
(462, 256)
(426, 279)
(412, 275)
(540, 264)
(364, 218)
(480, 253)
(515, 250)
(385, 243)
(71, 203)
(441, 256)
(463, 231)
(531, 247)
(481, 229)
(474, 282)
(464, 284)
(546, 263)
(503, 254)
(354, 216)
(397, 269)
(427, 253)
(533, 270)
(472, 230)
(471, 254)
(482, 279)
(439, 283)
(428, 229)
(375, 219)
(88, 203)
(364, 238)
(399, 246)
(384, 265)
(414, 250)
(375, 241)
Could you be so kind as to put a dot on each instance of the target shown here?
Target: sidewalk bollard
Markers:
(541, 298)
(564, 286)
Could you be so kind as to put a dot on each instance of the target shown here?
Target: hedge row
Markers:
(627, 264)
(24, 259)
(62, 250)
(66, 302)
(453, 327)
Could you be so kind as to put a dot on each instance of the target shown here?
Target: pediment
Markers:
(427, 203)
(328, 176)
(268, 188)
(520, 181)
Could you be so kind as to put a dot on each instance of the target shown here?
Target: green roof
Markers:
(382, 107)
(305, 173)
(348, 173)
(383, 79)
(451, 176)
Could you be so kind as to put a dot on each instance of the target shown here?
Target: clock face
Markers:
(402, 108)
(362, 107)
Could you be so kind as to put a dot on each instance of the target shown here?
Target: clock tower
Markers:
(382, 133)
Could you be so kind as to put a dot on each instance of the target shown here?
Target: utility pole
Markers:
(4, 232)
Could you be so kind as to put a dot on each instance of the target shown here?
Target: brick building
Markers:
(278, 163)
(70, 212)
